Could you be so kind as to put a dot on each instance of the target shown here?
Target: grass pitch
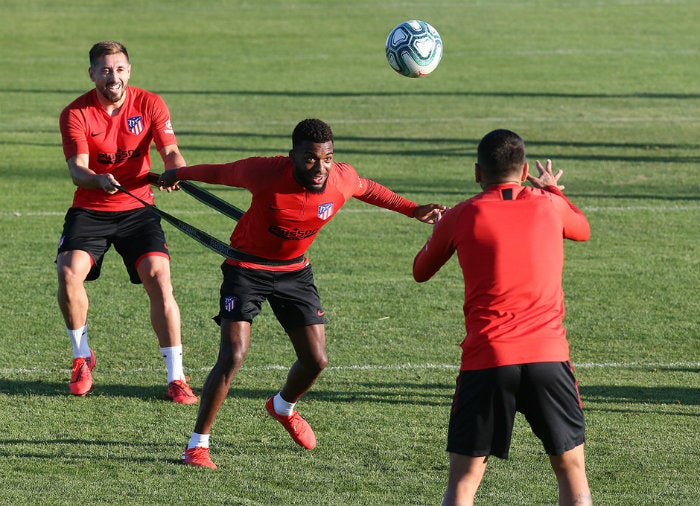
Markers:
(608, 90)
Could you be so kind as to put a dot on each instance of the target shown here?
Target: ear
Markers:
(291, 153)
(526, 169)
(477, 173)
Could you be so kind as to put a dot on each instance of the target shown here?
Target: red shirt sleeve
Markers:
(576, 226)
(438, 249)
(244, 173)
(376, 194)
(213, 173)
(73, 133)
(161, 124)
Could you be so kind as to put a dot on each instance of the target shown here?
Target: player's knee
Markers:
(571, 462)
(72, 272)
(316, 363)
(231, 356)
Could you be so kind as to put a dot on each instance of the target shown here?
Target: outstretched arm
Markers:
(381, 196)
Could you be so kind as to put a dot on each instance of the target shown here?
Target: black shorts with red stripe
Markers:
(135, 234)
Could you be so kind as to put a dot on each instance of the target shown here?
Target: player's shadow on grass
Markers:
(152, 392)
(433, 394)
(60, 389)
(422, 394)
(73, 449)
(627, 397)
(437, 394)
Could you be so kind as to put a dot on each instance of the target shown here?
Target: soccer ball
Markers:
(414, 48)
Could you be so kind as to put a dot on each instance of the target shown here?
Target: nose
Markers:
(316, 167)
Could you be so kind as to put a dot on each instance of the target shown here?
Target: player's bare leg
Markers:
(235, 340)
(464, 479)
(570, 469)
(73, 267)
(310, 345)
(154, 271)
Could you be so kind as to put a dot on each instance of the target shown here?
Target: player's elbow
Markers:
(580, 233)
(584, 234)
(419, 274)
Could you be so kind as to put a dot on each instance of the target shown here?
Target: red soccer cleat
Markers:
(180, 392)
(81, 375)
(298, 428)
(198, 457)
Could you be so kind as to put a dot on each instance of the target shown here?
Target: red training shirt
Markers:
(284, 217)
(118, 144)
(509, 241)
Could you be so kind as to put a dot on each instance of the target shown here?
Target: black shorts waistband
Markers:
(245, 257)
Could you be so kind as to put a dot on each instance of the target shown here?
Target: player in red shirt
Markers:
(515, 356)
(107, 135)
(292, 198)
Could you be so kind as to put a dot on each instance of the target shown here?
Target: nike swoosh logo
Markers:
(93, 134)
(320, 313)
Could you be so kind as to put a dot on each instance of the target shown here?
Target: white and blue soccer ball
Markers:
(414, 48)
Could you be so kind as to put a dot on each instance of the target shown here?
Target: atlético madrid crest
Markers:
(325, 210)
(135, 124)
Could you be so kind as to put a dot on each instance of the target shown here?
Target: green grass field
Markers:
(607, 89)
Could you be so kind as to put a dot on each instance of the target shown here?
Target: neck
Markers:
(486, 185)
(112, 108)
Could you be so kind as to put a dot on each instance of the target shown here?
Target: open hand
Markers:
(546, 177)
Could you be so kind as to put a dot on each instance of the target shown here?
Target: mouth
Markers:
(113, 92)
(317, 183)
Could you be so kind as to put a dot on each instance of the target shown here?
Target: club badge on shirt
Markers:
(135, 124)
(325, 210)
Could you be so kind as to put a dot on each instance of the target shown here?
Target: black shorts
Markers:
(135, 234)
(485, 402)
(293, 296)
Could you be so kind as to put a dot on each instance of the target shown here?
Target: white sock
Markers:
(79, 340)
(198, 440)
(283, 407)
(173, 362)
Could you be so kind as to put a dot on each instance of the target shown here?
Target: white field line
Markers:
(397, 367)
(592, 209)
